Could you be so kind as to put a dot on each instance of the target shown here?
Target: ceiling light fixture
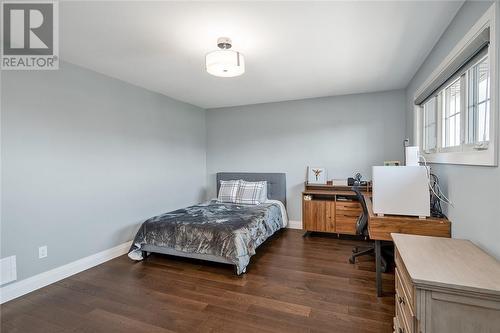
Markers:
(225, 62)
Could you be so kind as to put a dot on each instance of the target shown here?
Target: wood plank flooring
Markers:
(292, 285)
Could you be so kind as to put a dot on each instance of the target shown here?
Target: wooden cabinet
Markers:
(445, 285)
(319, 215)
(330, 216)
(329, 211)
(315, 215)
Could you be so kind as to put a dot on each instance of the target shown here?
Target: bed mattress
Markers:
(225, 231)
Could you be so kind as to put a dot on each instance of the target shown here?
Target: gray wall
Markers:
(345, 134)
(473, 190)
(85, 158)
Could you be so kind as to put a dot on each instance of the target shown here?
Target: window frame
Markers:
(465, 153)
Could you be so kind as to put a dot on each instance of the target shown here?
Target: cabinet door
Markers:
(330, 216)
(346, 215)
(314, 215)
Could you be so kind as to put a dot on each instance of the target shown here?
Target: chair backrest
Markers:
(362, 222)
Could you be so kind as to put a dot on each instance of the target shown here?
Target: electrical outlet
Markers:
(42, 252)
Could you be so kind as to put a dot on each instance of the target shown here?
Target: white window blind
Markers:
(480, 42)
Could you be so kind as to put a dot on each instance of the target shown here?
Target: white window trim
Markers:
(465, 154)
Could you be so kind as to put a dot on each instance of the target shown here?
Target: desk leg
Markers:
(378, 264)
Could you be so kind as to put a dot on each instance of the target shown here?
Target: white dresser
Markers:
(445, 285)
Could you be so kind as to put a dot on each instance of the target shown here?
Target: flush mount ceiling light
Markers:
(225, 62)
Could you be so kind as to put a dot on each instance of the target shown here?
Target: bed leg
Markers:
(236, 271)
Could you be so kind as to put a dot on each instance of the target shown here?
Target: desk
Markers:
(332, 209)
(381, 227)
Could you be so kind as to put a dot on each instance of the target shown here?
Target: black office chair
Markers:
(362, 229)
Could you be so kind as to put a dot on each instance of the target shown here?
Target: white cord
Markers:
(440, 195)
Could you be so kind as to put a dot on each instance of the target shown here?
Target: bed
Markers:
(221, 232)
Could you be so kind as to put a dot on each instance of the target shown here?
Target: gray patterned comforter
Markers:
(227, 230)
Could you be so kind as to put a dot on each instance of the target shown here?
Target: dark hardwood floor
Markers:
(292, 285)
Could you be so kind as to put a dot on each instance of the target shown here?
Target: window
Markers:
(430, 125)
(459, 129)
(452, 113)
(455, 118)
(478, 109)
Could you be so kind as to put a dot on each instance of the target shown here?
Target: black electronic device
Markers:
(356, 181)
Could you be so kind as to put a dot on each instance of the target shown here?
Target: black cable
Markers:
(436, 210)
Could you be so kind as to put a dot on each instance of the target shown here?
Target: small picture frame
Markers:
(316, 175)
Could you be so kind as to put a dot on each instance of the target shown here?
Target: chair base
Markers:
(368, 251)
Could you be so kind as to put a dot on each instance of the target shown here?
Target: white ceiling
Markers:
(293, 50)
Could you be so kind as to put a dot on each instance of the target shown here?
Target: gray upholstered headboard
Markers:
(276, 182)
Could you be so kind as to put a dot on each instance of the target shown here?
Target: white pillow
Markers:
(251, 193)
(228, 190)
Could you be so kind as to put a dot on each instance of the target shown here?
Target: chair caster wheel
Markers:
(352, 261)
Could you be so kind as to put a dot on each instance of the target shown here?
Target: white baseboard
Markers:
(294, 224)
(38, 281)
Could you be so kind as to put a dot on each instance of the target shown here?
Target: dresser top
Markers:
(448, 263)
